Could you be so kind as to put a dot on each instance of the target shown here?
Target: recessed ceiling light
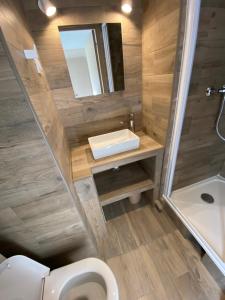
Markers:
(47, 7)
(126, 8)
(51, 10)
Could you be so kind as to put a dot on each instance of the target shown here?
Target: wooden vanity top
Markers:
(84, 165)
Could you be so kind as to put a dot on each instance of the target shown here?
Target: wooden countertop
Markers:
(84, 165)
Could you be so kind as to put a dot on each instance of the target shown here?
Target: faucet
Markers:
(212, 91)
(131, 121)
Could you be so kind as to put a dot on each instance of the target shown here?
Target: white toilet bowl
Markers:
(24, 278)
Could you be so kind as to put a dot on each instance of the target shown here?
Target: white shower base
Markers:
(205, 221)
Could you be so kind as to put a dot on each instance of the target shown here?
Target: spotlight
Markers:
(47, 7)
(126, 8)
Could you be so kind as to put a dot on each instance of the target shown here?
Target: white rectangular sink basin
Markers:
(113, 143)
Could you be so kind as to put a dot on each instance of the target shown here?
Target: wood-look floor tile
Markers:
(206, 282)
(185, 249)
(167, 276)
(136, 275)
(111, 243)
(147, 297)
(153, 262)
(164, 220)
(113, 210)
(121, 237)
(151, 274)
(152, 297)
(126, 271)
(189, 289)
(145, 225)
(196, 271)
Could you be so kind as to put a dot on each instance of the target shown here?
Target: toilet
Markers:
(22, 278)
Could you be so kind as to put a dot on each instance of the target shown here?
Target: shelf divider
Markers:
(113, 185)
(125, 192)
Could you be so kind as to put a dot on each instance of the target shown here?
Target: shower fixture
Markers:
(212, 91)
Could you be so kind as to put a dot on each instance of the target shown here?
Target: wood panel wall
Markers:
(159, 45)
(37, 216)
(39, 209)
(92, 115)
(36, 86)
(202, 153)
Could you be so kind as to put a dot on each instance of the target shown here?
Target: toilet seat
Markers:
(59, 278)
(20, 275)
(22, 278)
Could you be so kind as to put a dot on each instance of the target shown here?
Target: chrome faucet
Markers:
(211, 91)
(221, 91)
(131, 121)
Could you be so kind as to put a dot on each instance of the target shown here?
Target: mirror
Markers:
(94, 58)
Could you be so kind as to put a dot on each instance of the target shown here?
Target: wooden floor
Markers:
(152, 261)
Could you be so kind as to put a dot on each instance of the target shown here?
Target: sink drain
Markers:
(207, 198)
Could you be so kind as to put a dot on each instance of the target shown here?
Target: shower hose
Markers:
(219, 119)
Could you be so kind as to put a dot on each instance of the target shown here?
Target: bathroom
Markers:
(147, 221)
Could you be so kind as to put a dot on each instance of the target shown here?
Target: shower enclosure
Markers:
(194, 183)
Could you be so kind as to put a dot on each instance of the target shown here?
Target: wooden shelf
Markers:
(113, 186)
(125, 192)
(84, 165)
(97, 185)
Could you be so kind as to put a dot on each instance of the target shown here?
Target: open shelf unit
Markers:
(114, 185)
(104, 193)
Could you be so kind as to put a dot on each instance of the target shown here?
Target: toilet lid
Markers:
(21, 278)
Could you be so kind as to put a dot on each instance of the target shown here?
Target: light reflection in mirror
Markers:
(94, 58)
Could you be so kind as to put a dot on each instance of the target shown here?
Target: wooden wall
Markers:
(91, 115)
(39, 209)
(159, 44)
(37, 215)
(36, 86)
(201, 153)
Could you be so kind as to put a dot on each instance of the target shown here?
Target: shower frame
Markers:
(192, 14)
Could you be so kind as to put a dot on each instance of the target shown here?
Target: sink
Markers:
(113, 143)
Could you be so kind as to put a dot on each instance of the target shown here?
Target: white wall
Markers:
(79, 73)
(92, 65)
